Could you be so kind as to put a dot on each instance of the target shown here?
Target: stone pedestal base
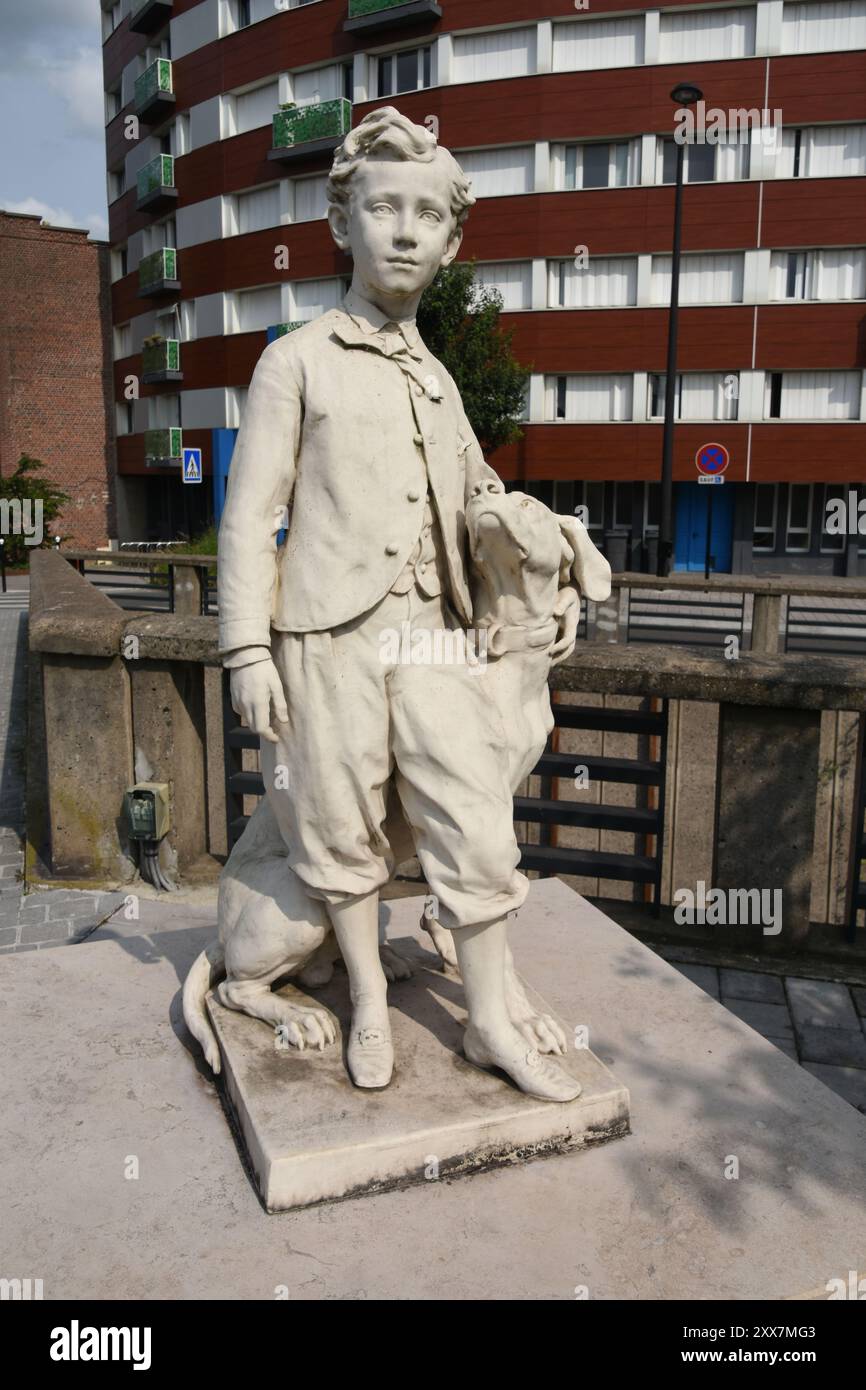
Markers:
(313, 1137)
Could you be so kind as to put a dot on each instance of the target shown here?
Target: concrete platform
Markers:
(95, 1072)
(312, 1136)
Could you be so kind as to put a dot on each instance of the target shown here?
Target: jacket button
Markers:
(419, 390)
(391, 548)
(419, 439)
(413, 496)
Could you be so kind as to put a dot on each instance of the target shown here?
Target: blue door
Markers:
(690, 546)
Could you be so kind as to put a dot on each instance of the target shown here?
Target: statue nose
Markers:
(491, 486)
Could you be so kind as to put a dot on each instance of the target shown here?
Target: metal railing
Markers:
(148, 582)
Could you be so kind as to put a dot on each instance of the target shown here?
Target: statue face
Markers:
(398, 225)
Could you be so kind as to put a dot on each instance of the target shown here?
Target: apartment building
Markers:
(221, 121)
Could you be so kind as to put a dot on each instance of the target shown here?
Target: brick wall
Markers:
(55, 359)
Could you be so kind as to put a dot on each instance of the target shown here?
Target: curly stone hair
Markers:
(386, 129)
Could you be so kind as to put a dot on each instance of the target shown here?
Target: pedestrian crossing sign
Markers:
(192, 465)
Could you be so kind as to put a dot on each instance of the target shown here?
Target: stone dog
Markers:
(530, 567)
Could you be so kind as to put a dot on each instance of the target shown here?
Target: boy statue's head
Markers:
(397, 204)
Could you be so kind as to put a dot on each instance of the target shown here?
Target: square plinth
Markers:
(311, 1136)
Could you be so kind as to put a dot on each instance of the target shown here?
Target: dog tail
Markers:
(206, 970)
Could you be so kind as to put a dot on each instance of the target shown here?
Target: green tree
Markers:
(23, 486)
(459, 321)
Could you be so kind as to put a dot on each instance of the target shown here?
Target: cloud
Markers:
(96, 222)
(30, 32)
(77, 80)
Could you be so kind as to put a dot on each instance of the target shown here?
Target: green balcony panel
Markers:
(163, 446)
(154, 89)
(161, 362)
(155, 182)
(369, 15)
(323, 123)
(157, 273)
(279, 330)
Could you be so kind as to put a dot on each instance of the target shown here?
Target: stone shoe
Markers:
(534, 1074)
(370, 1057)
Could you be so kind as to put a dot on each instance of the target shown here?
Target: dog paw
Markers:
(305, 1027)
(395, 966)
(542, 1032)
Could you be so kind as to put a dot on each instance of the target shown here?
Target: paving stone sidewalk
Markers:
(818, 1023)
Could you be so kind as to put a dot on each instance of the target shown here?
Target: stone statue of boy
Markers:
(360, 432)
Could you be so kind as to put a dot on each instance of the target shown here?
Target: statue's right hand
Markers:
(255, 691)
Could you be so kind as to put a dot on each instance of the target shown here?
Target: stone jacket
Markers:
(347, 425)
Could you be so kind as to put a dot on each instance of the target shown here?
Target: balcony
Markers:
(157, 274)
(154, 91)
(301, 132)
(148, 15)
(155, 184)
(160, 361)
(279, 330)
(163, 448)
(369, 16)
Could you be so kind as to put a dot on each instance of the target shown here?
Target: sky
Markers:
(51, 112)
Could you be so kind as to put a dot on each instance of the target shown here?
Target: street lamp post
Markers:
(684, 94)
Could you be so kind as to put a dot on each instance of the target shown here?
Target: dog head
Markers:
(517, 543)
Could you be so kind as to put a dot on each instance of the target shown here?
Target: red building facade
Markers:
(564, 122)
(55, 384)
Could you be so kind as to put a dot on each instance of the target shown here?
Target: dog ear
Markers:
(582, 563)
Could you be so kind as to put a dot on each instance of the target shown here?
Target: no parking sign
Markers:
(711, 460)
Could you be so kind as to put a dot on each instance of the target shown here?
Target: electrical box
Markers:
(147, 810)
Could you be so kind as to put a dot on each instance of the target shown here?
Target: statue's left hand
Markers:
(567, 613)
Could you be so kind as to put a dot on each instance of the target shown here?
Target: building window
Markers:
(833, 543)
(311, 201)
(322, 84)
(821, 152)
(588, 397)
(406, 71)
(598, 43)
(252, 310)
(112, 105)
(764, 526)
(798, 533)
(697, 396)
(812, 395)
(163, 412)
(652, 505)
(119, 263)
(255, 210)
(830, 273)
(622, 506)
(722, 162)
(122, 340)
(255, 108)
(116, 183)
(511, 279)
(819, 27)
(610, 164)
(605, 282)
(111, 17)
(124, 415)
(496, 173)
(310, 298)
(702, 34)
(503, 53)
(243, 17)
(715, 278)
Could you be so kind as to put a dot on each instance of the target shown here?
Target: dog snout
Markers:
(488, 487)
